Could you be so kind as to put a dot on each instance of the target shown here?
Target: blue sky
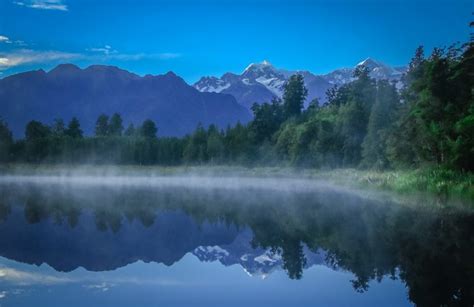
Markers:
(196, 38)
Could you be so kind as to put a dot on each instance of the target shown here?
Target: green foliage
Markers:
(294, 95)
(74, 129)
(267, 120)
(148, 129)
(6, 142)
(364, 124)
(381, 118)
(102, 125)
(130, 131)
(434, 126)
(116, 125)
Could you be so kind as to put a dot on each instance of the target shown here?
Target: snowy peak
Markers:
(370, 64)
(262, 66)
(380, 70)
(211, 85)
(260, 82)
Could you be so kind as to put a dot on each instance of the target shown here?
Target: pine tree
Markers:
(294, 95)
(115, 125)
(148, 129)
(6, 142)
(354, 115)
(36, 130)
(102, 125)
(74, 129)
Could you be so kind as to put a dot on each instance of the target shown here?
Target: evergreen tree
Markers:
(58, 129)
(102, 125)
(403, 145)
(74, 129)
(148, 129)
(267, 120)
(294, 95)
(115, 125)
(354, 115)
(380, 121)
(36, 130)
(215, 144)
(6, 142)
(36, 136)
(196, 147)
(130, 131)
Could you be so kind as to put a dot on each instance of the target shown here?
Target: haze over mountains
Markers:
(261, 82)
(175, 106)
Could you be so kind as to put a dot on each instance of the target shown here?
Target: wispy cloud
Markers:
(110, 53)
(28, 56)
(57, 5)
(19, 57)
(28, 278)
(4, 39)
(92, 282)
(107, 49)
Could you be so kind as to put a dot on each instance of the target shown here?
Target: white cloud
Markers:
(28, 56)
(112, 53)
(27, 278)
(3, 294)
(107, 49)
(18, 57)
(7, 40)
(57, 5)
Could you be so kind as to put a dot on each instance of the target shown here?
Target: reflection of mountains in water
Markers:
(102, 228)
(167, 240)
(256, 261)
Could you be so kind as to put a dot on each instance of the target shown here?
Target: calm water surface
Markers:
(225, 242)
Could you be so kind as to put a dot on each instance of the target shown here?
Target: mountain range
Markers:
(68, 91)
(175, 106)
(261, 82)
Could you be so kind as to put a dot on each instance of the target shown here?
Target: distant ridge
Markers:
(68, 91)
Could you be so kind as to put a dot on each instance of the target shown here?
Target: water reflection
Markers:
(105, 228)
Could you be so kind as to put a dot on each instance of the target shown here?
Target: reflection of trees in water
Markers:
(5, 210)
(38, 207)
(430, 249)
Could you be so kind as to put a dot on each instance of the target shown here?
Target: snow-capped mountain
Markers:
(261, 82)
(259, 262)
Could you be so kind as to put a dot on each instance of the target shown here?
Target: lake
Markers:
(226, 241)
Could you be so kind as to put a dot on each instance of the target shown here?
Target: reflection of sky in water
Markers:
(146, 245)
(187, 283)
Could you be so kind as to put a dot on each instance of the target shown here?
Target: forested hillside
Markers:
(365, 123)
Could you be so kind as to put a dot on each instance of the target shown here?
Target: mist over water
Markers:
(95, 231)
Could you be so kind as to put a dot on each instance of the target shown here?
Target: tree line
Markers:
(364, 123)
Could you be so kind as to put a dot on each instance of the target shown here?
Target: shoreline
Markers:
(421, 185)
